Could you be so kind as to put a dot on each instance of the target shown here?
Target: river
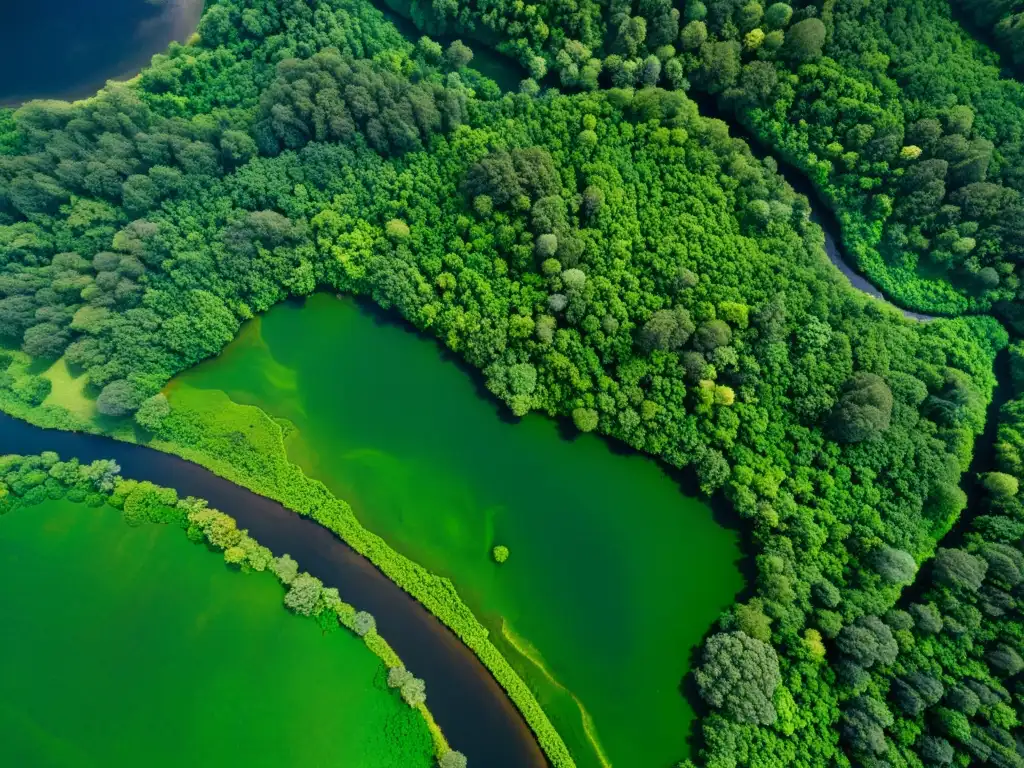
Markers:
(821, 214)
(508, 72)
(443, 501)
(432, 463)
(129, 645)
(472, 710)
(68, 49)
(503, 70)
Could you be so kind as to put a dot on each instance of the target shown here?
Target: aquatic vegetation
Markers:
(602, 254)
(442, 478)
(116, 549)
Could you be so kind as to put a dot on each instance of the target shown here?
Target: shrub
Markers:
(363, 623)
(152, 412)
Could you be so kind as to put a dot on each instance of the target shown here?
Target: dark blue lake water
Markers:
(70, 48)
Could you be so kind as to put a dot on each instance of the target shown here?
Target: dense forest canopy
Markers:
(997, 22)
(605, 254)
(902, 121)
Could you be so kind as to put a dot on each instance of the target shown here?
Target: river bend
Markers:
(471, 708)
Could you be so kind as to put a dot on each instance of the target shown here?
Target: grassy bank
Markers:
(45, 480)
(244, 445)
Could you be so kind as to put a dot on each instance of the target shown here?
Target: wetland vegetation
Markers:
(433, 468)
(491, 732)
(212, 667)
(601, 259)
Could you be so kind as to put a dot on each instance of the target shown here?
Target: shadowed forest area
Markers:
(592, 249)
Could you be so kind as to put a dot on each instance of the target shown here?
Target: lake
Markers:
(69, 48)
(126, 646)
(473, 711)
(615, 575)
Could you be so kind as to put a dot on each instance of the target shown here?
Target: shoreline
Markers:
(496, 734)
(177, 22)
(116, 499)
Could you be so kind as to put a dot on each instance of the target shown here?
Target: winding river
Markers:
(128, 645)
(615, 573)
(445, 506)
(827, 221)
(470, 707)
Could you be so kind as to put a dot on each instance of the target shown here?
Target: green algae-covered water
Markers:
(614, 574)
(131, 646)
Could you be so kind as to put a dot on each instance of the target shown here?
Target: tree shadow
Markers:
(391, 318)
(39, 366)
(985, 459)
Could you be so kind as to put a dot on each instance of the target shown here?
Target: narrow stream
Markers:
(431, 462)
(821, 214)
(507, 72)
(472, 710)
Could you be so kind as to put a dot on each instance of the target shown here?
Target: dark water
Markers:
(70, 48)
(431, 465)
(475, 714)
(503, 70)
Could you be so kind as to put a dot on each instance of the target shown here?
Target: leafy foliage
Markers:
(739, 675)
(609, 256)
(901, 121)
